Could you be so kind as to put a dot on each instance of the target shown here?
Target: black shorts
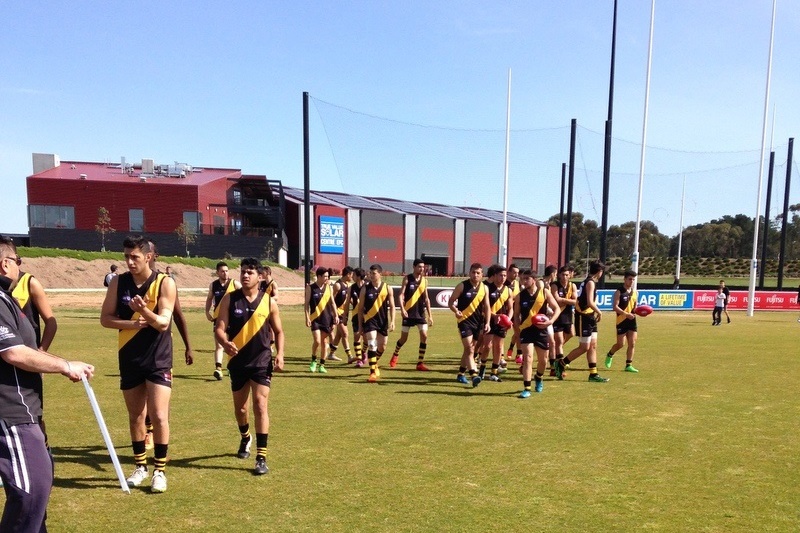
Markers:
(497, 331)
(375, 327)
(469, 329)
(130, 378)
(629, 324)
(321, 326)
(537, 337)
(585, 325)
(354, 322)
(411, 322)
(343, 319)
(240, 376)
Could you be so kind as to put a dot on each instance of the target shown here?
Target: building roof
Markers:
(179, 174)
(346, 200)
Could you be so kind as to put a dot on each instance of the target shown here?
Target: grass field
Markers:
(704, 438)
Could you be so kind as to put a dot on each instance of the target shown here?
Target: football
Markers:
(643, 310)
(503, 321)
(540, 319)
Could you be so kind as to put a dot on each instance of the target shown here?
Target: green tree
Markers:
(103, 226)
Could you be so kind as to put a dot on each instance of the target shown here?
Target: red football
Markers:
(540, 319)
(643, 310)
(503, 321)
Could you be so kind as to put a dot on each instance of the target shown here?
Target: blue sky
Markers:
(221, 85)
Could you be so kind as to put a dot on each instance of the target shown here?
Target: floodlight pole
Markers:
(570, 184)
(782, 254)
(607, 151)
(765, 239)
(561, 260)
(635, 258)
(751, 293)
(306, 192)
(504, 228)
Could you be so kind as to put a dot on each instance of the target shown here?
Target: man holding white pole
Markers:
(26, 468)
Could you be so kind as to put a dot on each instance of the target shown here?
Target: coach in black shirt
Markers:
(25, 466)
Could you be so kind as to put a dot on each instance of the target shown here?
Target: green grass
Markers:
(704, 438)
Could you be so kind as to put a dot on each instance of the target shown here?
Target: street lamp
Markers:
(587, 258)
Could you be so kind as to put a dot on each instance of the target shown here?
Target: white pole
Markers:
(504, 228)
(680, 235)
(106, 437)
(635, 258)
(751, 293)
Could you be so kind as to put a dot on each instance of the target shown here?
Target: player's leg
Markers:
(241, 393)
(158, 399)
(423, 346)
(136, 405)
(371, 338)
(316, 339)
(631, 337)
(542, 356)
(614, 348)
(399, 344)
(261, 414)
(527, 368)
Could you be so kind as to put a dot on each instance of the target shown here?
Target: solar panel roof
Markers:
(410, 208)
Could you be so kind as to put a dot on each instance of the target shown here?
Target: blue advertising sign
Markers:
(331, 235)
(661, 300)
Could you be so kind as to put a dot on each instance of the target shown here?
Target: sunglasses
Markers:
(17, 259)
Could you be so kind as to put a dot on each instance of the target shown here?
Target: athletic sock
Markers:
(397, 348)
(332, 348)
(373, 361)
(313, 358)
(218, 366)
(592, 368)
(609, 354)
(482, 369)
(139, 453)
(160, 456)
(423, 346)
(380, 354)
(347, 352)
(357, 349)
(244, 430)
(148, 424)
(628, 362)
(538, 377)
(495, 368)
(526, 385)
(261, 444)
(462, 370)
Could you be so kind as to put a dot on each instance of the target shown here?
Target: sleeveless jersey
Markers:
(498, 297)
(318, 307)
(567, 292)
(469, 302)
(268, 288)
(340, 296)
(514, 286)
(627, 302)
(355, 292)
(219, 290)
(530, 305)
(582, 304)
(145, 348)
(414, 297)
(249, 329)
(22, 294)
(376, 305)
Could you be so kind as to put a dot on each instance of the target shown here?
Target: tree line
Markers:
(728, 237)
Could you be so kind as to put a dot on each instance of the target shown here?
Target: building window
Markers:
(237, 197)
(52, 216)
(136, 219)
(219, 225)
(193, 221)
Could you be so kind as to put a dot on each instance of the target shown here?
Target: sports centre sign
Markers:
(331, 235)
(666, 300)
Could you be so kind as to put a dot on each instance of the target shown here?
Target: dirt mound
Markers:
(64, 273)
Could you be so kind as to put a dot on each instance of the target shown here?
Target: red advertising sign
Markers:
(764, 300)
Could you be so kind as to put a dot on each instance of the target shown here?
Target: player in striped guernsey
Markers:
(512, 281)
(534, 299)
(321, 317)
(268, 285)
(375, 317)
(216, 290)
(352, 304)
(341, 293)
(501, 303)
(549, 277)
(139, 303)
(469, 301)
(624, 305)
(247, 319)
(587, 317)
(414, 304)
(563, 291)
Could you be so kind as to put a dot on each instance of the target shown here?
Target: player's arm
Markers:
(332, 307)
(427, 304)
(590, 289)
(222, 324)
(277, 330)
(487, 313)
(108, 311)
(274, 287)
(402, 297)
(551, 301)
(391, 308)
(360, 307)
(236, 284)
(307, 305)
(516, 317)
(346, 304)
(180, 323)
(615, 303)
(30, 360)
(166, 305)
(454, 296)
(509, 305)
(41, 303)
(209, 301)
